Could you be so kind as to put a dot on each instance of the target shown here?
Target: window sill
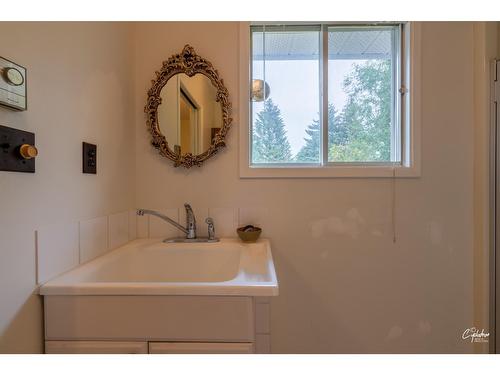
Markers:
(350, 171)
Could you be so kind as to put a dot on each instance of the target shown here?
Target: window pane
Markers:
(361, 71)
(285, 126)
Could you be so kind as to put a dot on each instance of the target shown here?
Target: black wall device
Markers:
(89, 158)
(17, 150)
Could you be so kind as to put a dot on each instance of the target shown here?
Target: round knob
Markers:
(13, 76)
(28, 151)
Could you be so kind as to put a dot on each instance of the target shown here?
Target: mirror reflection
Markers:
(189, 115)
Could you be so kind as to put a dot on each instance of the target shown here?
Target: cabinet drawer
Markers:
(149, 318)
(200, 348)
(95, 347)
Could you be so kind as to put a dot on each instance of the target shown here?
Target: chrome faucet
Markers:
(142, 212)
(189, 230)
(190, 222)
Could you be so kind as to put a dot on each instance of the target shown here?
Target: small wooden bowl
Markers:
(249, 236)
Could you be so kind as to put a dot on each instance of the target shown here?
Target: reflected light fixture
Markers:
(260, 90)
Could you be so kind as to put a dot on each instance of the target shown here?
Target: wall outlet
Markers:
(89, 158)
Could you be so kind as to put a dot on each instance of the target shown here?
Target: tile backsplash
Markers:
(118, 230)
(132, 225)
(63, 246)
(93, 238)
(159, 228)
(57, 250)
(225, 221)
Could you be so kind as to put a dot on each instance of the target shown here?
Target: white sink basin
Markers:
(151, 267)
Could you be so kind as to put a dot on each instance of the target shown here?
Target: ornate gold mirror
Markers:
(188, 109)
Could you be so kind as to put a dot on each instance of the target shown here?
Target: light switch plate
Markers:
(10, 141)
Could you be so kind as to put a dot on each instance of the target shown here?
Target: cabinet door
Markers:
(200, 348)
(95, 347)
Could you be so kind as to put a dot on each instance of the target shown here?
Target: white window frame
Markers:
(410, 124)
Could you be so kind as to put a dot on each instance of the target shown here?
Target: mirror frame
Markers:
(189, 63)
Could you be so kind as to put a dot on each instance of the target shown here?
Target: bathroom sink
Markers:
(151, 267)
(164, 263)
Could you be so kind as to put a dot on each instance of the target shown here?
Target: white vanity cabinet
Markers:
(201, 348)
(95, 347)
(156, 324)
(154, 297)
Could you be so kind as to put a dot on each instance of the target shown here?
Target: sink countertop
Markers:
(151, 267)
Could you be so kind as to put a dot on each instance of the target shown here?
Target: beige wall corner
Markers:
(485, 51)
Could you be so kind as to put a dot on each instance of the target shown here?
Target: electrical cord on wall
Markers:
(393, 213)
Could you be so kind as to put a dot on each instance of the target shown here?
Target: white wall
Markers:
(344, 285)
(79, 89)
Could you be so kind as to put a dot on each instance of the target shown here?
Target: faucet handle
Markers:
(189, 212)
(190, 221)
(211, 228)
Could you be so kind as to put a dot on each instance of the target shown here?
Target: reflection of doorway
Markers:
(188, 124)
